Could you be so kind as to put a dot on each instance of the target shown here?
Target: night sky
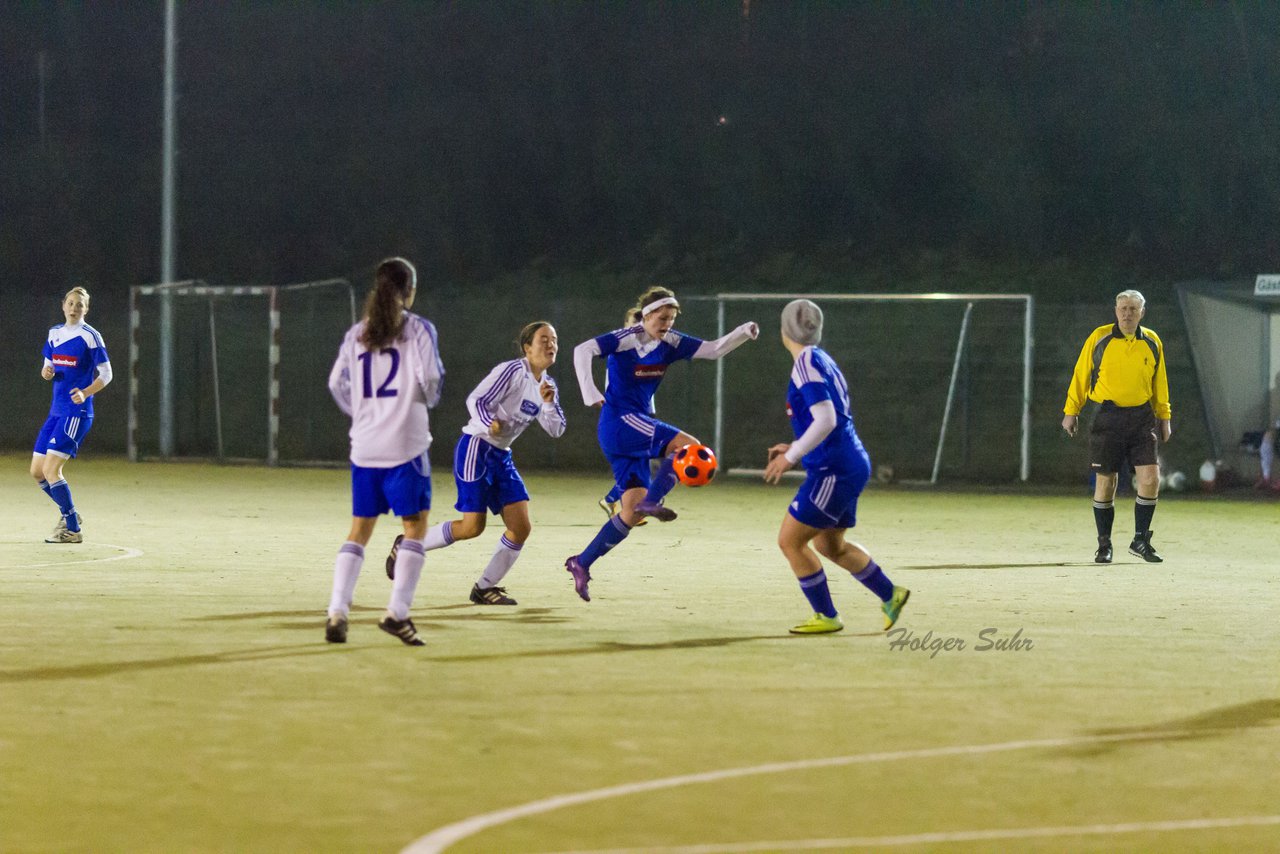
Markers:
(481, 138)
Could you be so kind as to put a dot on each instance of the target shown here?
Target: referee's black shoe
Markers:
(1103, 554)
(1141, 547)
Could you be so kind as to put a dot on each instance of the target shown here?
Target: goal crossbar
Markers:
(1028, 345)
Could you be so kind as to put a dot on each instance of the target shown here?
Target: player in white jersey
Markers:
(514, 395)
(387, 375)
(836, 469)
(75, 360)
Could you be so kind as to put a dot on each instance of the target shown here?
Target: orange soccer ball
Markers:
(695, 465)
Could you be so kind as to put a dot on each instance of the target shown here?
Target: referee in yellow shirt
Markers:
(1122, 368)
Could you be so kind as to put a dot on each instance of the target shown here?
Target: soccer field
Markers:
(165, 685)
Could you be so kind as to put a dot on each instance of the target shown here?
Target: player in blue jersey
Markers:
(638, 357)
(75, 359)
(387, 376)
(836, 469)
(513, 395)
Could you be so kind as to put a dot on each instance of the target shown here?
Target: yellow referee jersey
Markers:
(1127, 371)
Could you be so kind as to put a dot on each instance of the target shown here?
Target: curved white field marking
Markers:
(952, 836)
(129, 552)
(441, 838)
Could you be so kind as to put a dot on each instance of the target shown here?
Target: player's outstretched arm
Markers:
(726, 344)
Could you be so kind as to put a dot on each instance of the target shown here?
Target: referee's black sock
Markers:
(1104, 513)
(1143, 510)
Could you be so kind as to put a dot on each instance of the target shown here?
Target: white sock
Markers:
(346, 570)
(408, 570)
(438, 537)
(504, 556)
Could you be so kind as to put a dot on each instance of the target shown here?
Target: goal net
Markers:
(248, 371)
(940, 384)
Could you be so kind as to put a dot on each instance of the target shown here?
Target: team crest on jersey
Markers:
(789, 412)
(649, 372)
(64, 361)
(528, 407)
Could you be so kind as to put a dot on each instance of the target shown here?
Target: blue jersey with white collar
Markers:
(638, 363)
(816, 377)
(75, 352)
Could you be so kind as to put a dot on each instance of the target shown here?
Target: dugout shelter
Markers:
(1234, 332)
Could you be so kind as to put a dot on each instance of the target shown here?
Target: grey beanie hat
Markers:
(802, 322)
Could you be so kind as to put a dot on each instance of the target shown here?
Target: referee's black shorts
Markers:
(1121, 433)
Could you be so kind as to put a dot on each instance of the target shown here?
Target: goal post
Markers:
(249, 340)
(931, 359)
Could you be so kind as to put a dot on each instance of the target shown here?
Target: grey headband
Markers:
(802, 322)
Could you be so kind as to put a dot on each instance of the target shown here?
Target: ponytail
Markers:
(393, 282)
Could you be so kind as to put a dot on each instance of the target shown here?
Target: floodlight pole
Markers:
(166, 234)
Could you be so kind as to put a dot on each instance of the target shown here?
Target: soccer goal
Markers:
(940, 383)
(248, 371)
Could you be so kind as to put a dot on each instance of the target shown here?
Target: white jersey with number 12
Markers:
(387, 393)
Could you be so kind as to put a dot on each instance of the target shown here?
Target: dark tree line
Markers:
(486, 137)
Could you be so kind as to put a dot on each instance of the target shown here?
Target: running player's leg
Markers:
(37, 472)
(505, 554)
(62, 445)
(634, 473)
(666, 441)
(471, 477)
(38, 453)
(853, 558)
(60, 492)
(794, 537)
(408, 491)
(346, 571)
(511, 498)
(367, 504)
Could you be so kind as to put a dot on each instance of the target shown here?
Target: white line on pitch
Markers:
(129, 552)
(441, 838)
(952, 836)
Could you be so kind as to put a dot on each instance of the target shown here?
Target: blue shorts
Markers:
(486, 477)
(828, 499)
(61, 435)
(404, 489)
(629, 441)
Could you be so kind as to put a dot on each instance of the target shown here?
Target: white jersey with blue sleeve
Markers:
(77, 355)
(387, 393)
(816, 379)
(511, 395)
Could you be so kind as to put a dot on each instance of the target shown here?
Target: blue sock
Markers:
(61, 493)
(663, 481)
(615, 494)
(818, 593)
(613, 532)
(874, 579)
(44, 485)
